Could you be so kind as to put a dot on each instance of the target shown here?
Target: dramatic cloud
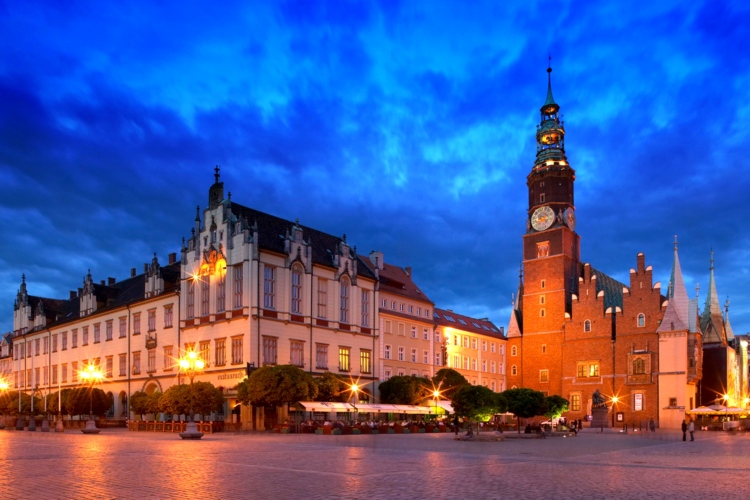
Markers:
(408, 126)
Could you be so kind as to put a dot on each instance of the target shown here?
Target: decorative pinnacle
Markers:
(675, 242)
(216, 174)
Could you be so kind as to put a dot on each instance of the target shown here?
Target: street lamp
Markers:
(355, 390)
(3, 388)
(91, 375)
(191, 365)
(615, 399)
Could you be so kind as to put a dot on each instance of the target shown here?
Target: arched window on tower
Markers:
(514, 370)
(641, 320)
(514, 351)
(587, 325)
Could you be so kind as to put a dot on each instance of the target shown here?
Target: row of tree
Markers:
(76, 401)
(176, 400)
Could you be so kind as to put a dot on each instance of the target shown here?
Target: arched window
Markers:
(297, 289)
(587, 325)
(514, 351)
(344, 300)
(513, 370)
(639, 366)
(641, 319)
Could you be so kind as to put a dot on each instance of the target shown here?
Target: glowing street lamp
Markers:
(191, 365)
(3, 388)
(91, 375)
(615, 399)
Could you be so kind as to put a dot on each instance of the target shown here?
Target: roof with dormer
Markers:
(450, 319)
(396, 280)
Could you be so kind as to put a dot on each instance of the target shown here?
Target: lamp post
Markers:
(726, 406)
(91, 375)
(32, 421)
(191, 365)
(3, 388)
(615, 399)
(355, 390)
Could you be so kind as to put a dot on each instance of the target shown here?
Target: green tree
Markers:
(175, 400)
(404, 390)
(477, 402)
(331, 388)
(448, 380)
(81, 400)
(556, 406)
(525, 403)
(276, 385)
(139, 403)
(208, 398)
(9, 403)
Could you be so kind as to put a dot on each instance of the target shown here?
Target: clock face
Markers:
(570, 218)
(542, 218)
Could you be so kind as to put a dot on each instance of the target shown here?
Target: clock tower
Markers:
(551, 257)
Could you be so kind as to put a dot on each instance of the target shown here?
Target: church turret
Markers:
(215, 192)
(712, 319)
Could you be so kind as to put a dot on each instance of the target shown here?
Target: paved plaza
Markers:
(121, 464)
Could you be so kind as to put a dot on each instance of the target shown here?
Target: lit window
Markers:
(344, 303)
(344, 365)
(543, 376)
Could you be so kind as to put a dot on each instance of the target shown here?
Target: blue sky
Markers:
(409, 126)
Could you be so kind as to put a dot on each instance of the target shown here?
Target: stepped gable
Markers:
(445, 317)
(611, 287)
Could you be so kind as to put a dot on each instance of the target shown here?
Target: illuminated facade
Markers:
(473, 347)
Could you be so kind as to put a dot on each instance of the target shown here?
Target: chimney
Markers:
(408, 271)
(502, 330)
(377, 259)
(102, 282)
(73, 294)
(172, 257)
(110, 281)
(132, 272)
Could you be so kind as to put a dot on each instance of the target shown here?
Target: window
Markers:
(411, 309)
(587, 325)
(344, 302)
(269, 286)
(37, 347)
(388, 326)
(109, 366)
(473, 343)
(364, 361)
(672, 401)
(514, 351)
(541, 198)
(544, 348)
(205, 351)
(594, 370)
(456, 340)
(220, 352)
(543, 376)
(413, 355)
(413, 332)
(456, 361)
(492, 348)
(401, 353)
(484, 345)
(588, 369)
(542, 312)
(191, 299)
(321, 356)
(269, 350)
(466, 341)
(641, 320)
(73, 338)
(474, 364)
(544, 284)
(419, 311)
(168, 316)
(221, 291)
(205, 294)
(426, 333)
(297, 351)
(152, 320)
(493, 367)
(151, 360)
(386, 374)
(123, 365)
(484, 365)
(384, 303)
(85, 335)
(297, 289)
(401, 307)
(45, 375)
(387, 352)
(45, 345)
(108, 329)
(541, 299)
(237, 286)
(237, 350)
(393, 305)
(136, 326)
(168, 358)
(514, 370)
(575, 401)
(437, 359)
(122, 326)
(322, 298)
(344, 359)
(54, 345)
(365, 308)
(136, 363)
(639, 366)
(402, 329)
(425, 357)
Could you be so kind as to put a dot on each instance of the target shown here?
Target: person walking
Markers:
(652, 425)
(684, 431)
(691, 429)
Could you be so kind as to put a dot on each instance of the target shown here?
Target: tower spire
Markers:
(677, 316)
(712, 319)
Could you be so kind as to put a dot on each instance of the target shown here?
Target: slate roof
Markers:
(396, 280)
(444, 317)
(612, 288)
(272, 230)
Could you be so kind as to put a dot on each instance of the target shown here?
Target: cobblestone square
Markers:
(124, 465)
